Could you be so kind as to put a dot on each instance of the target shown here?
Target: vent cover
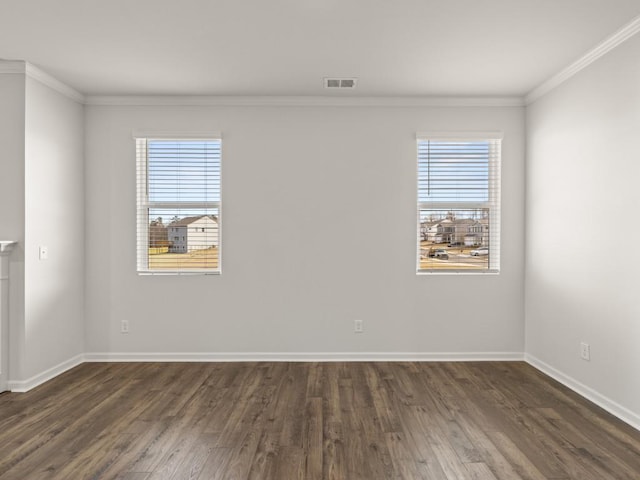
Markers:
(340, 83)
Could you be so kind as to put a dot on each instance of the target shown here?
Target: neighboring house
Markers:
(193, 233)
(433, 232)
(158, 234)
(424, 230)
(484, 221)
(459, 231)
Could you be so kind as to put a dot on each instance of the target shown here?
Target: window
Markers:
(178, 186)
(458, 203)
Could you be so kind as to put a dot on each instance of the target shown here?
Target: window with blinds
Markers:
(178, 196)
(459, 203)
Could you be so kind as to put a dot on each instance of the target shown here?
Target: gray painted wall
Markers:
(54, 217)
(318, 229)
(41, 203)
(582, 227)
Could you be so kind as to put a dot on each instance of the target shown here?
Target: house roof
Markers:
(454, 221)
(189, 220)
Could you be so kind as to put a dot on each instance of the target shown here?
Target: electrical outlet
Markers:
(124, 326)
(585, 351)
(43, 253)
(358, 326)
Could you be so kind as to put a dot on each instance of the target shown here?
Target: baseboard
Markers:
(21, 386)
(304, 357)
(590, 394)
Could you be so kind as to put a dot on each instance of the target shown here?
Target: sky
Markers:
(453, 171)
(183, 171)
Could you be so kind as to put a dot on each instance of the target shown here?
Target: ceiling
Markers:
(286, 47)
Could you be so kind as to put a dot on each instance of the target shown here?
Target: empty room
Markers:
(319, 240)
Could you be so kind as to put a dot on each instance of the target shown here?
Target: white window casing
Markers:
(179, 220)
(458, 202)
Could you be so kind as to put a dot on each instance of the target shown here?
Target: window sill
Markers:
(457, 272)
(146, 273)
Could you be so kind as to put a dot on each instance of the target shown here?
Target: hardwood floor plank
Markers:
(405, 465)
(565, 450)
(216, 464)
(520, 462)
(291, 433)
(134, 476)
(290, 464)
(193, 462)
(311, 421)
(312, 439)
(315, 380)
(451, 465)
(192, 418)
(366, 424)
(264, 461)
(418, 443)
(510, 418)
(479, 471)
(239, 464)
(51, 413)
(604, 466)
(381, 399)
(494, 459)
(63, 438)
(127, 458)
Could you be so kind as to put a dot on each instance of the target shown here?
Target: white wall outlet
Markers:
(358, 326)
(585, 351)
(43, 253)
(124, 326)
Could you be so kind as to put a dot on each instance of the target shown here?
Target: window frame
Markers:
(143, 204)
(493, 203)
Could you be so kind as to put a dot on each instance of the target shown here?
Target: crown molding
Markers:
(611, 42)
(298, 101)
(43, 77)
(12, 66)
(22, 67)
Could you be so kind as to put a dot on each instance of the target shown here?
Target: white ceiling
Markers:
(286, 47)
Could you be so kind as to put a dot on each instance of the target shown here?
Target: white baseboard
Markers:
(21, 386)
(304, 357)
(594, 396)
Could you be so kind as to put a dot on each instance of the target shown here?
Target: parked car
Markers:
(454, 244)
(480, 252)
(439, 253)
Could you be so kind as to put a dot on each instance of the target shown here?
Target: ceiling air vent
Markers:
(340, 83)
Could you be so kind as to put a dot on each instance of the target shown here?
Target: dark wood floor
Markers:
(282, 421)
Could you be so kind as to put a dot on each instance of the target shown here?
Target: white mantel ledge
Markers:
(6, 246)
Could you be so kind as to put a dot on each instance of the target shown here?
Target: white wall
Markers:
(12, 118)
(318, 229)
(54, 217)
(582, 225)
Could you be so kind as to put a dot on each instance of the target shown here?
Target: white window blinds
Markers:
(179, 205)
(458, 204)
